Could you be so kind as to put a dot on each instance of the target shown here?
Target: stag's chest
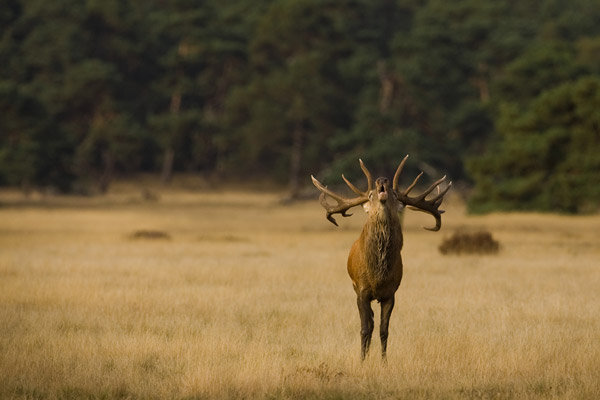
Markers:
(383, 244)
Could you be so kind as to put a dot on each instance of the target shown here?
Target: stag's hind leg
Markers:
(386, 311)
(366, 324)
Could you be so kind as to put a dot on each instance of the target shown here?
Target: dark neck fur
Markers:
(383, 241)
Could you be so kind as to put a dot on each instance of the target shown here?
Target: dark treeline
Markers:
(502, 95)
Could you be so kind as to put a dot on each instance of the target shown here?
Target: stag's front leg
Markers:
(366, 324)
(386, 311)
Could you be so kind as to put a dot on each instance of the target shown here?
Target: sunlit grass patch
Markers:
(258, 304)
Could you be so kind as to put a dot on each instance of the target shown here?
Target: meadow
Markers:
(237, 295)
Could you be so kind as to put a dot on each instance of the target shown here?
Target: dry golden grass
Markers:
(247, 298)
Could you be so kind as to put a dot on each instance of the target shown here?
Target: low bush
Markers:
(461, 242)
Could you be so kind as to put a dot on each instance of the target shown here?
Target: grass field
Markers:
(248, 298)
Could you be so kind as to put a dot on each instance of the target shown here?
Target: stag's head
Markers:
(380, 196)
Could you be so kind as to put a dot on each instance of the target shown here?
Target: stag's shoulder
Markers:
(356, 260)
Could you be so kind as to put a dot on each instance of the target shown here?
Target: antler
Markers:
(343, 203)
(419, 203)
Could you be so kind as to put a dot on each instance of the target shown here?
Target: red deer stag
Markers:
(374, 263)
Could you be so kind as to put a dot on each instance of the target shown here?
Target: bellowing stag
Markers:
(375, 263)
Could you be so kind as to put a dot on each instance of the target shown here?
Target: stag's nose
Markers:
(382, 181)
(381, 184)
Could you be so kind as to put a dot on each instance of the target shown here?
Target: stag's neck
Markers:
(382, 241)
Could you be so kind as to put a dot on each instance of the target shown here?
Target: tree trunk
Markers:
(296, 161)
(167, 169)
(481, 83)
(483, 88)
(26, 187)
(107, 173)
(388, 87)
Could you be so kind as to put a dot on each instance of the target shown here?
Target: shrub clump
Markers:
(150, 234)
(462, 242)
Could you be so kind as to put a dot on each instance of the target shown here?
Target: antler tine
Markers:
(398, 172)
(431, 206)
(367, 174)
(343, 203)
(438, 223)
(420, 203)
(412, 185)
(430, 188)
(327, 207)
(351, 186)
(437, 216)
(324, 189)
(440, 194)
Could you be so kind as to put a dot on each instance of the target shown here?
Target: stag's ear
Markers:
(367, 206)
(400, 206)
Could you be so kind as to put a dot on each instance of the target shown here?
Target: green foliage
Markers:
(542, 67)
(295, 97)
(280, 89)
(32, 151)
(548, 156)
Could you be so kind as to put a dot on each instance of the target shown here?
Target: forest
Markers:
(502, 96)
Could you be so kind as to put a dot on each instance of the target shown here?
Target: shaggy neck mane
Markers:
(383, 241)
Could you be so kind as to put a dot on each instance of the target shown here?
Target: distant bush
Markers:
(150, 234)
(462, 242)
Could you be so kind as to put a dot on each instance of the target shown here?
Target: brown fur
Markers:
(375, 263)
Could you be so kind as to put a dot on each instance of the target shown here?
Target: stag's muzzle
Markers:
(381, 185)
